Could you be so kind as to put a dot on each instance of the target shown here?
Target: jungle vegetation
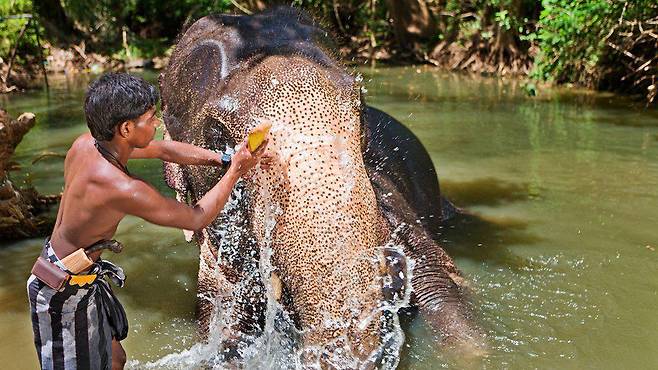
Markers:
(600, 44)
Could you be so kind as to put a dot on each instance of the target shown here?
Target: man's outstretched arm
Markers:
(150, 205)
(142, 200)
(177, 152)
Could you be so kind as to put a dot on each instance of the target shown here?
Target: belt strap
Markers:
(101, 268)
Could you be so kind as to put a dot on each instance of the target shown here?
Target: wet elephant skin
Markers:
(336, 194)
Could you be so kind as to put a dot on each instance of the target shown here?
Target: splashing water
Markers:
(279, 346)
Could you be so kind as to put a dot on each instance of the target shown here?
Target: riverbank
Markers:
(70, 61)
(597, 44)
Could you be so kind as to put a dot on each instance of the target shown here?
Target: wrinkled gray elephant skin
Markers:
(337, 197)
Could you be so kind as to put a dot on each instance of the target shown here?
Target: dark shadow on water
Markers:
(485, 239)
(487, 191)
(482, 238)
(146, 288)
(67, 115)
(626, 119)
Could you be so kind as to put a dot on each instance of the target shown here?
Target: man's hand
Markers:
(244, 160)
(266, 160)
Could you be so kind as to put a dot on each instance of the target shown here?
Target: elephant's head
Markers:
(315, 208)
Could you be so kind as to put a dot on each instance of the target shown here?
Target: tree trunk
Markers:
(21, 210)
(58, 26)
(413, 22)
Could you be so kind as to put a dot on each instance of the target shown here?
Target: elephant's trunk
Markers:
(441, 300)
(325, 247)
(438, 294)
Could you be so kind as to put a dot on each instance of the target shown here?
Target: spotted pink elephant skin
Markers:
(338, 191)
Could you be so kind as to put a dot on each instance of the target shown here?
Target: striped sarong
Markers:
(73, 328)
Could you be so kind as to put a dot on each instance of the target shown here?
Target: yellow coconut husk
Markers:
(258, 135)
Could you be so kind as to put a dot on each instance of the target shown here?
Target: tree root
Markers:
(24, 213)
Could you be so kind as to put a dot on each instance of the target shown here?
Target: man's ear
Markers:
(125, 128)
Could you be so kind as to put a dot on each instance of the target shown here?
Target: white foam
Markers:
(279, 346)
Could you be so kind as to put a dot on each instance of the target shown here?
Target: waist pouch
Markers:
(50, 274)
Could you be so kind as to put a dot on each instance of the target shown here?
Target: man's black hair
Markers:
(115, 98)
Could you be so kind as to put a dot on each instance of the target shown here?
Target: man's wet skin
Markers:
(91, 182)
(98, 193)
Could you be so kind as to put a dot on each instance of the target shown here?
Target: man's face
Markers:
(145, 126)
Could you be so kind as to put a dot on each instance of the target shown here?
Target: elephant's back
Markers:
(396, 154)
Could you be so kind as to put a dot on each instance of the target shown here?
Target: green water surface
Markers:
(561, 250)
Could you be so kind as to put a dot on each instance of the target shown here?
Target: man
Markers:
(80, 326)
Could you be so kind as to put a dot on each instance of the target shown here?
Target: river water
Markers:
(561, 251)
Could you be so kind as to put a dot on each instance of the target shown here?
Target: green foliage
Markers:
(351, 18)
(573, 37)
(149, 25)
(10, 29)
(489, 19)
(568, 40)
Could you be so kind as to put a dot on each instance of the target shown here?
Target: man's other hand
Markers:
(266, 160)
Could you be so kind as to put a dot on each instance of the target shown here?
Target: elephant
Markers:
(342, 227)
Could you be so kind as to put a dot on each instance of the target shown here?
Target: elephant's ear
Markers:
(194, 75)
(207, 64)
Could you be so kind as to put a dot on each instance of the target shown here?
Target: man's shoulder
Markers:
(89, 164)
(84, 140)
(112, 187)
(81, 144)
